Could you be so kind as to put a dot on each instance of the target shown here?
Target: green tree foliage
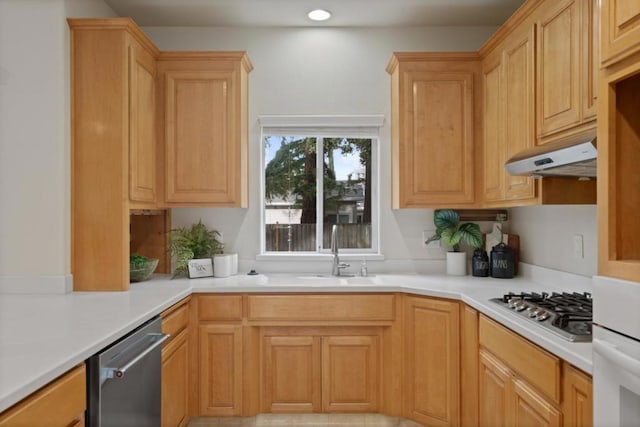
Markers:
(292, 173)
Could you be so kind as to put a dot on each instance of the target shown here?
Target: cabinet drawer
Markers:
(537, 366)
(220, 307)
(60, 403)
(175, 320)
(321, 307)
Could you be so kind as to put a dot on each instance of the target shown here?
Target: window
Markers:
(313, 178)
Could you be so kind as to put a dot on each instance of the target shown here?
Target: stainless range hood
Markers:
(572, 157)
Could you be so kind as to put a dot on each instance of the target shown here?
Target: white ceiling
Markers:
(287, 13)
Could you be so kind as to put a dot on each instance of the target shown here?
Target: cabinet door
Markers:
(469, 366)
(620, 35)
(432, 361)
(175, 374)
(291, 374)
(495, 392)
(350, 374)
(518, 119)
(578, 398)
(590, 63)
(558, 82)
(202, 147)
(220, 378)
(436, 153)
(494, 156)
(531, 409)
(60, 403)
(142, 125)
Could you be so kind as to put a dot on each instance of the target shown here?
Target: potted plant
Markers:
(452, 233)
(194, 242)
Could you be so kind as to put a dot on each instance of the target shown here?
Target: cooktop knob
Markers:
(532, 311)
(521, 306)
(542, 316)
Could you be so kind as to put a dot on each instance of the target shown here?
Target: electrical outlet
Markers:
(578, 246)
(426, 234)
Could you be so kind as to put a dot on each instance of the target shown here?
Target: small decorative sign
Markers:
(200, 268)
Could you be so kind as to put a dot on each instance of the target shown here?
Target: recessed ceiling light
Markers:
(319, 15)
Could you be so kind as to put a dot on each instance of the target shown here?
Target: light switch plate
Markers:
(578, 246)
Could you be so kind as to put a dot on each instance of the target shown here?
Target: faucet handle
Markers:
(344, 265)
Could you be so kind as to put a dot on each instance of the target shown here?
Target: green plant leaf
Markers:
(451, 237)
(471, 235)
(194, 242)
(446, 218)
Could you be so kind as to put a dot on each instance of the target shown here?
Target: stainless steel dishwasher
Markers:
(123, 380)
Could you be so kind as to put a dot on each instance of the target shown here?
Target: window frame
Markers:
(321, 127)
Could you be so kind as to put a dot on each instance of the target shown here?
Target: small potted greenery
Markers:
(452, 233)
(194, 242)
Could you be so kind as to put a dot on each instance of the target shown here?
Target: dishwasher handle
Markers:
(109, 372)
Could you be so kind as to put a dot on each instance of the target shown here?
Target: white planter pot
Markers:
(457, 263)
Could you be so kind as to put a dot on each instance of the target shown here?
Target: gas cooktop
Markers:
(568, 315)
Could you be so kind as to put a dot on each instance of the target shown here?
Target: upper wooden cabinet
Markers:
(558, 66)
(112, 146)
(618, 176)
(567, 67)
(433, 144)
(508, 93)
(620, 25)
(142, 126)
(539, 84)
(204, 127)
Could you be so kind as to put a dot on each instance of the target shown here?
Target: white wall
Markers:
(318, 71)
(546, 236)
(34, 134)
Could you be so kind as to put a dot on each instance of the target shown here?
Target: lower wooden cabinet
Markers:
(350, 373)
(518, 384)
(292, 374)
(494, 391)
(175, 365)
(220, 370)
(61, 403)
(532, 409)
(175, 374)
(432, 361)
(315, 373)
(577, 406)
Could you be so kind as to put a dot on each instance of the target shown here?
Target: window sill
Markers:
(344, 256)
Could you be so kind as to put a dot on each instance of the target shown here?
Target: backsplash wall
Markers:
(547, 232)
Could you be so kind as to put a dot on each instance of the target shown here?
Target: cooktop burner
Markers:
(568, 315)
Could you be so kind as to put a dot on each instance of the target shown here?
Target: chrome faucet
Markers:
(337, 265)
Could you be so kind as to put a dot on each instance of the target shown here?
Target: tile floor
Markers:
(305, 420)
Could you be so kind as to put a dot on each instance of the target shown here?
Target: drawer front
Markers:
(321, 307)
(59, 403)
(219, 307)
(175, 321)
(537, 366)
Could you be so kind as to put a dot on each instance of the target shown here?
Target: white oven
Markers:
(616, 353)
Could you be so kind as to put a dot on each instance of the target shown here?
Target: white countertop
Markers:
(43, 336)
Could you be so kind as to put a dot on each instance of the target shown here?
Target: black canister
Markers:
(502, 262)
(480, 263)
